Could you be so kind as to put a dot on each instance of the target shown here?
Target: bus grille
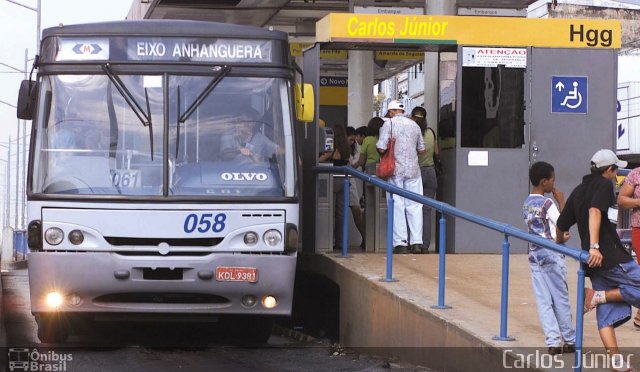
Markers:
(158, 254)
(162, 298)
(186, 242)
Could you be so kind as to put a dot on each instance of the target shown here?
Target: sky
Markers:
(18, 31)
(18, 27)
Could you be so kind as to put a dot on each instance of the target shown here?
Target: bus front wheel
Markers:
(257, 330)
(52, 328)
(248, 329)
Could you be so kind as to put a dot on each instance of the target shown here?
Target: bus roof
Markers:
(164, 27)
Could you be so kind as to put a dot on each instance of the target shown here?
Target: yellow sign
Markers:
(398, 55)
(334, 96)
(297, 48)
(479, 31)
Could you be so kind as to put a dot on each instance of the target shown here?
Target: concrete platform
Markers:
(396, 318)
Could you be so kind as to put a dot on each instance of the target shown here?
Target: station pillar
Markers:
(434, 7)
(431, 90)
(360, 91)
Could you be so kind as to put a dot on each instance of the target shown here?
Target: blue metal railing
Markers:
(447, 209)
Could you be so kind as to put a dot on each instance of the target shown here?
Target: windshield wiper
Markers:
(205, 93)
(144, 117)
(198, 101)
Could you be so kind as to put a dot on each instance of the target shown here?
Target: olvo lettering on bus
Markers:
(243, 176)
(411, 27)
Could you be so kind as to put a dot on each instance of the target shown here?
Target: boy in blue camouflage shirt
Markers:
(548, 268)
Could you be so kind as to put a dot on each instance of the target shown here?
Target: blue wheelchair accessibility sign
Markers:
(569, 94)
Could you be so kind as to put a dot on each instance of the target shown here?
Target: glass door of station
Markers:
(493, 152)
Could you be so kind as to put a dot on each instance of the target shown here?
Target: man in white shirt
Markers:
(409, 143)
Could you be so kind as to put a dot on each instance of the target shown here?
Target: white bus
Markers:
(162, 175)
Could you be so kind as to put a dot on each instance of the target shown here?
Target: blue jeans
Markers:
(625, 276)
(549, 280)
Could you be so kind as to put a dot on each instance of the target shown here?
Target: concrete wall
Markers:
(376, 321)
(628, 17)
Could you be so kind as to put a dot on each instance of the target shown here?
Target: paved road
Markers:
(169, 347)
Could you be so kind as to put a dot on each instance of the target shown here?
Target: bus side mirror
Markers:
(27, 99)
(305, 102)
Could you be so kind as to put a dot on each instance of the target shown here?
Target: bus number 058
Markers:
(204, 222)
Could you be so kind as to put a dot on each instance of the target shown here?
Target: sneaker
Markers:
(400, 249)
(553, 350)
(416, 248)
(568, 348)
(588, 299)
(619, 364)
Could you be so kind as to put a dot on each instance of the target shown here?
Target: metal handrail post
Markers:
(442, 244)
(389, 277)
(504, 301)
(345, 214)
(579, 319)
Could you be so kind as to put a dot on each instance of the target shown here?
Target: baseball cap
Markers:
(605, 157)
(395, 105)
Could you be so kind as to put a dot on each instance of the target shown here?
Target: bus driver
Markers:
(247, 142)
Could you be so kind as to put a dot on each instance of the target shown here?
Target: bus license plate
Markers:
(236, 274)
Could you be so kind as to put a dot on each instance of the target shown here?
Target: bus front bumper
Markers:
(104, 282)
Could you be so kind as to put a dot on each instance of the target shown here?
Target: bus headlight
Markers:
(249, 301)
(53, 299)
(53, 236)
(75, 299)
(272, 238)
(76, 237)
(269, 302)
(250, 238)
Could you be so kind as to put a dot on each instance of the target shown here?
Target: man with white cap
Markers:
(615, 276)
(409, 143)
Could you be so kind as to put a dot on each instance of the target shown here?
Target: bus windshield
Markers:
(164, 135)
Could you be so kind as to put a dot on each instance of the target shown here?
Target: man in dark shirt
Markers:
(615, 276)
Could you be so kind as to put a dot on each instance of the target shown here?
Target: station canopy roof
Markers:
(298, 18)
